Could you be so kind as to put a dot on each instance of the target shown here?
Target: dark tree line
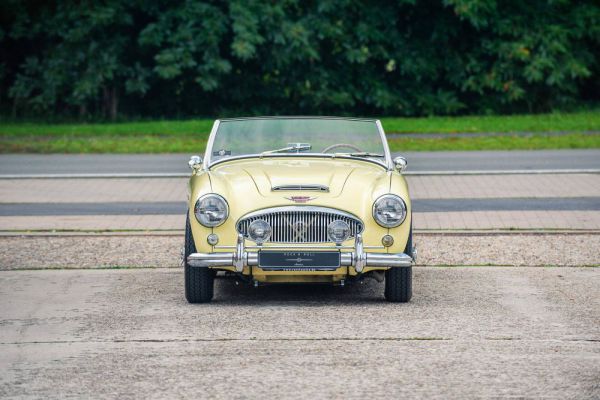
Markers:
(409, 57)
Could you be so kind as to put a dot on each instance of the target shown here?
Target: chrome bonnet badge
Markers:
(300, 199)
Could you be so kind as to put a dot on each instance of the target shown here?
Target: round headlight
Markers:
(211, 210)
(338, 231)
(389, 210)
(259, 231)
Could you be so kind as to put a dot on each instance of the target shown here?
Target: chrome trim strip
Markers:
(299, 117)
(299, 208)
(313, 155)
(297, 246)
(304, 187)
(209, 145)
(386, 147)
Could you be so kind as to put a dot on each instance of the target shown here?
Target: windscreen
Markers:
(297, 136)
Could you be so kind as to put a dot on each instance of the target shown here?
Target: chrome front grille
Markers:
(300, 224)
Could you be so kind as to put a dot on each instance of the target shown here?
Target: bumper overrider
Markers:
(358, 258)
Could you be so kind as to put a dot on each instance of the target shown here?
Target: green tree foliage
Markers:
(407, 57)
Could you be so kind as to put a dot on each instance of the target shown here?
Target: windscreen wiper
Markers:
(298, 147)
(361, 154)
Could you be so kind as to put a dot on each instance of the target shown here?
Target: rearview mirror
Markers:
(400, 164)
(195, 162)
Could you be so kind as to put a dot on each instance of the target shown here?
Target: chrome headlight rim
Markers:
(204, 197)
(378, 203)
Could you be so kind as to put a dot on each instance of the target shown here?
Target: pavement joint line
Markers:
(441, 135)
(95, 176)
(506, 172)
(91, 234)
(496, 232)
(345, 339)
(503, 266)
(408, 173)
(319, 339)
(180, 268)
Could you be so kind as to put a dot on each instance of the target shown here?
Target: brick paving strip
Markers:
(421, 187)
(31, 252)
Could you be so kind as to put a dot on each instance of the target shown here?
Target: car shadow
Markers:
(228, 292)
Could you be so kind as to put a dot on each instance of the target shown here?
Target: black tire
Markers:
(398, 281)
(199, 282)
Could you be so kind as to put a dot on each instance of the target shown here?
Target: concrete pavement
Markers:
(160, 250)
(468, 333)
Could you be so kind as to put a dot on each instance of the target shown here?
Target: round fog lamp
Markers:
(387, 240)
(338, 231)
(259, 231)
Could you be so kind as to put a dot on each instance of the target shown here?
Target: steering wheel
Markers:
(338, 145)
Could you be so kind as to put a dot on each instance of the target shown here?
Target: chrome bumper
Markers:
(358, 258)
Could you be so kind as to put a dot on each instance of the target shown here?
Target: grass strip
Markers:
(512, 142)
(579, 121)
(187, 144)
(190, 136)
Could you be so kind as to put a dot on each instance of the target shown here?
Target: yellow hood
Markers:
(352, 185)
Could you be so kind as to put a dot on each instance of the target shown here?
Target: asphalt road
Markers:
(418, 161)
(468, 333)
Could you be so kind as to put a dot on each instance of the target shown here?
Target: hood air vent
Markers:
(307, 187)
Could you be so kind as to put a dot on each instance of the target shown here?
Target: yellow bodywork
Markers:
(246, 184)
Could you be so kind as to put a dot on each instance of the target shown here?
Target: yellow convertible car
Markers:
(298, 200)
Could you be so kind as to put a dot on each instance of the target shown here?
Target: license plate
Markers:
(299, 260)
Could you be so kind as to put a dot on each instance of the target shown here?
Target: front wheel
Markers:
(199, 282)
(398, 284)
(398, 281)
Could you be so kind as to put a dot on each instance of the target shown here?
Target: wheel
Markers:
(199, 282)
(398, 281)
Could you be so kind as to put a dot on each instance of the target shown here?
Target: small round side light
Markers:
(212, 239)
(387, 240)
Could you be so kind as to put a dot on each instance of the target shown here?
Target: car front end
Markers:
(298, 216)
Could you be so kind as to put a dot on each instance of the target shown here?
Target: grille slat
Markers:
(300, 224)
